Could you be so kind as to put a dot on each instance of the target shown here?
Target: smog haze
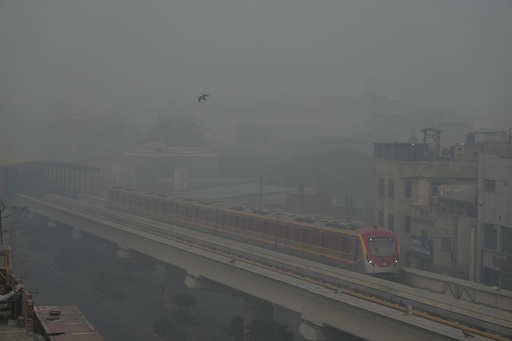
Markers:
(93, 56)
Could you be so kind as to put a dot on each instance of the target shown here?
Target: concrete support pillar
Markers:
(174, 284)
(256, 309)
(123, 253)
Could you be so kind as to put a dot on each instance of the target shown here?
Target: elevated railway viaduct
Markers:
(320, 306)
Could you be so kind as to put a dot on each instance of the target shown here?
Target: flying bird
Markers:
(466, 334)
(202, 97)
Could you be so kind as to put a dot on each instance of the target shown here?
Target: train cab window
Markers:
(381, 247)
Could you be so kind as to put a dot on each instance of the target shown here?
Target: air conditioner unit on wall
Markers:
(432, 200)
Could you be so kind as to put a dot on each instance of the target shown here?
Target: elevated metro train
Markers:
(344, 244)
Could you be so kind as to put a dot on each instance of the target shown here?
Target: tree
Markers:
(168, 330)
(177, 130)
(235, 329)
(184, 302)
(268, 330)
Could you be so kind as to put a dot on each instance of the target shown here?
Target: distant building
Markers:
(154, 164)
(302, 201)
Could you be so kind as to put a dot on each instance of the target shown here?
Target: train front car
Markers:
(382, 253)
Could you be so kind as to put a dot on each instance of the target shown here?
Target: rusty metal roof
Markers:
(67, 322)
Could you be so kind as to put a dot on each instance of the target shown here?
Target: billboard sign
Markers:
(422, 247)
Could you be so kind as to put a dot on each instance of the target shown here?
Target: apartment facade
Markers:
(409, 200)
(494, 262)
(452, 210)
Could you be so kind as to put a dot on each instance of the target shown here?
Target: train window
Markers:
(382, 247)
(297, 235)
(258, 226)
(334, 243)
(281, 230)
(314, 238)
(272, 229)
(244, 223)
(346, 245)
(288, 232)
(230, 220)
(265, 228)
(325, 240)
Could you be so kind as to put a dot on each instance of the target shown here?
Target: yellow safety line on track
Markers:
(426, 316)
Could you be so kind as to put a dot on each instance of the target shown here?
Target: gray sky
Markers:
(428, 53)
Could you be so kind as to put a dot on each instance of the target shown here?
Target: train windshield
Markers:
(382, 247)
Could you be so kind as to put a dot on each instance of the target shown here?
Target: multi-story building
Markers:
(494, 239)
(429, 197)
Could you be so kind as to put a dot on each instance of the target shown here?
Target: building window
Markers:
(435, 188)
(391, 222)
(407, 224)
(506, 240)
(446, 244)
(381, 218)
(381, 187)
(424, 234)
(490, 185)
(408, 190)
(491, 236)
(391, 188)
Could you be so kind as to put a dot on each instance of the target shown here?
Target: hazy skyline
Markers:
(428, 53)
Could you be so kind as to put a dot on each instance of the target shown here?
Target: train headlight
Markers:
(396, 260)
(369, 260)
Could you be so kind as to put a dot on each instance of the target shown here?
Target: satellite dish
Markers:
(445, 151)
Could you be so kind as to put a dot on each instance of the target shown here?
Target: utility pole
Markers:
(14, 218)
(2, 207)
(260, 181)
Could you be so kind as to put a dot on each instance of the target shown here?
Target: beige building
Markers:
(433, 199)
